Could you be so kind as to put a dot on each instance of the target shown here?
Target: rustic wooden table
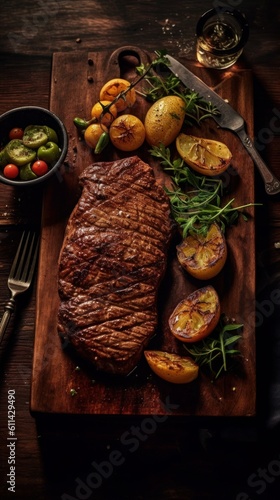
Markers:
(58, 458)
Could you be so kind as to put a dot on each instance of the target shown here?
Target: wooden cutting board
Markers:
(57, 372)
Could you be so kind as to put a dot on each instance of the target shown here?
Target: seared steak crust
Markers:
(111, 263)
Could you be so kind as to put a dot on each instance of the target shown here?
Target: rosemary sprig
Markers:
(196, 209)
(216, 351)
(196, 107)
(157, 87)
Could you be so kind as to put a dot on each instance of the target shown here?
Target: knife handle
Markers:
(272, 184)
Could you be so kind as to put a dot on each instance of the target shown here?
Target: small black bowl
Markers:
(33, 115)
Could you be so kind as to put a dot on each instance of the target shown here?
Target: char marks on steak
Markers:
(111, 263)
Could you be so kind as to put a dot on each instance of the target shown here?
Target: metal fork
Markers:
(21, 274)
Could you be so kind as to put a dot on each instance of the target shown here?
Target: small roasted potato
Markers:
(206, 156)
(203, 256)
(196, 316)
(164, 120)
(105, 112)
(93, 133)
(172, 367)
(127, 132)
(113, 88)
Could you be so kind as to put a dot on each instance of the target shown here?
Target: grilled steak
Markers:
(111, 263)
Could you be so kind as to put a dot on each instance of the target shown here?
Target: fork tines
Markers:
(25, 259)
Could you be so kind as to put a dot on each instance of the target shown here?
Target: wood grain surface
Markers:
(54, 367)
(191, 458)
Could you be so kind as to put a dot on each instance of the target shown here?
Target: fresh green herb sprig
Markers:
(157, 87)
(196, 107)
(196, 199)
(217, 350)
(194, 213)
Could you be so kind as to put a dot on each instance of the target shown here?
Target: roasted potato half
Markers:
(172, 367)
(196, 316)
(203, 256)
(206, 156)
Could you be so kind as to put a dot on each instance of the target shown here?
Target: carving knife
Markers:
(227, 118)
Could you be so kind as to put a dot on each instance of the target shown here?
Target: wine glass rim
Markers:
(238, 15)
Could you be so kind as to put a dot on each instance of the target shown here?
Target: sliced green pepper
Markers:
(26, 173)
(51, 133)
(18, 153)
(50, 152)
(34, 136)
(4, 160)
(37, 131)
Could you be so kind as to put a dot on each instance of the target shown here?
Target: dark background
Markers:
(192, 459)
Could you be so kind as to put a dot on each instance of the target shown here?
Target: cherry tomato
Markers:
(16, 133)
(11, 171)
(40, 167)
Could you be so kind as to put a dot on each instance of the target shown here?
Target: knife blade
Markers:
(227, 118)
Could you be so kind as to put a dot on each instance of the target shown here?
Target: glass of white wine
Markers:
(221, 36)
